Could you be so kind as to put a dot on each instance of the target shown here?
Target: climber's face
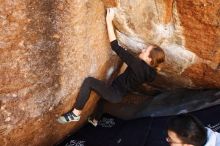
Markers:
(145, 55)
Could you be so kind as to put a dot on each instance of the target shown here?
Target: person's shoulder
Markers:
(213, 137)
(210, 130)
(150, 72)
(148, 67)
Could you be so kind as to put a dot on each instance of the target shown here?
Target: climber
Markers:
(140, 69)
(187, 130)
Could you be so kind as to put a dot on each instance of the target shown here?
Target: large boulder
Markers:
(48, 47)
(188, 31)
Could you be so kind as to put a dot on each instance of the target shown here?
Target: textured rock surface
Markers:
(189, 32)
(48, 47)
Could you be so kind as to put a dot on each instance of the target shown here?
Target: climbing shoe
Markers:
(68, 117)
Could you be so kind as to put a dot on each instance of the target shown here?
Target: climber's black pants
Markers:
(101, 88)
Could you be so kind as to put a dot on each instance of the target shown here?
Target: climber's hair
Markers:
(157, 55)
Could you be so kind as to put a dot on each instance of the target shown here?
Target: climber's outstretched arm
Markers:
(126, 57)
(109, 18)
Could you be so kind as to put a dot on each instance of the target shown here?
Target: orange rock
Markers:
(47, 48)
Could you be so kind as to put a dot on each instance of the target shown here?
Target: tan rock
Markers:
(187, 30)
(47, 48)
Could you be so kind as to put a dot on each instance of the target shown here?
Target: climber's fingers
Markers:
(110, 14)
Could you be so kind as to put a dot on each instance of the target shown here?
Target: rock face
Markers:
(189, 32)
(48, 47)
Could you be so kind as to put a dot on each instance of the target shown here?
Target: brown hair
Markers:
(157, 55)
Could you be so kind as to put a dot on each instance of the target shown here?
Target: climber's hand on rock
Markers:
(110, 14)
(109, 17)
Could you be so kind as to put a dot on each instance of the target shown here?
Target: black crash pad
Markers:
(148, 131)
